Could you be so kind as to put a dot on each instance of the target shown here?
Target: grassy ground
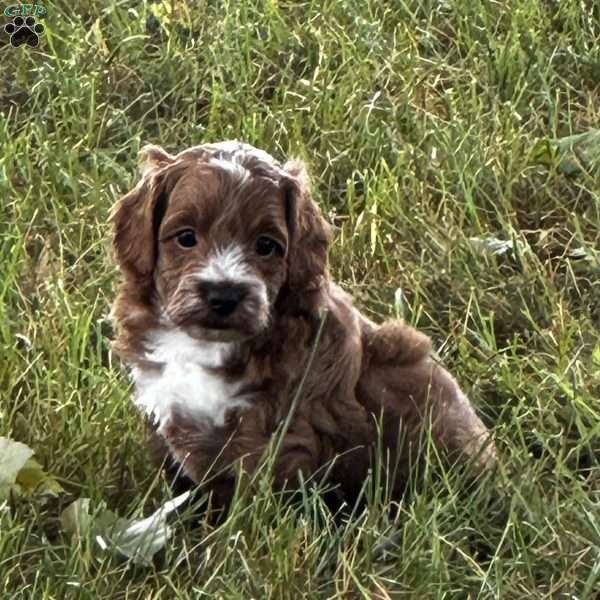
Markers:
(420, 121)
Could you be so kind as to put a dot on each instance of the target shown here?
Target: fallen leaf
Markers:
(23, 475)
(136, 539)
(495, 247)
(579, 152)
(572, 154)
(13, 456)
(75, 519)
(32, 479)
(141, 539)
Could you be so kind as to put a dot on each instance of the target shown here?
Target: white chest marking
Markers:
(185, 379)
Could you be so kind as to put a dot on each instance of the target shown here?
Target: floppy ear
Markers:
(309, 234)
(137, 215)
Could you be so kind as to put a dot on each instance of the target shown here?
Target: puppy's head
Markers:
(217, 235)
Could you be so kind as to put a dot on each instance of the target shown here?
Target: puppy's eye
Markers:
(186, 238)
(265, 246)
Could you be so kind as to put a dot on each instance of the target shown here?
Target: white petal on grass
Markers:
(13, 456)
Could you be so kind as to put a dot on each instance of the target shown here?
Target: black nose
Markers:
(224, 299)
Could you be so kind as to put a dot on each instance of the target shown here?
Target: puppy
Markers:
(235, 333)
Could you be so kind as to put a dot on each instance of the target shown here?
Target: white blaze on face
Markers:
(184, 379)
(229, 265)
(226, 264)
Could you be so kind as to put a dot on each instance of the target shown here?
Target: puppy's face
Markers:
(216, 236)
(222, 249)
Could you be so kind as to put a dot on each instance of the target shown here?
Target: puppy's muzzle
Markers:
(223, 299)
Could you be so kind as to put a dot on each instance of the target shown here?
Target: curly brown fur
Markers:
(219, 386)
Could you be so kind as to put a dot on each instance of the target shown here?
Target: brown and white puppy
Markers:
(225, 287)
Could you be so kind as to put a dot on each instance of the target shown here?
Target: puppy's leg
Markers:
(204, 452)
(402, 381)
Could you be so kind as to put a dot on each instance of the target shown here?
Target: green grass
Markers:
(419, 121)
